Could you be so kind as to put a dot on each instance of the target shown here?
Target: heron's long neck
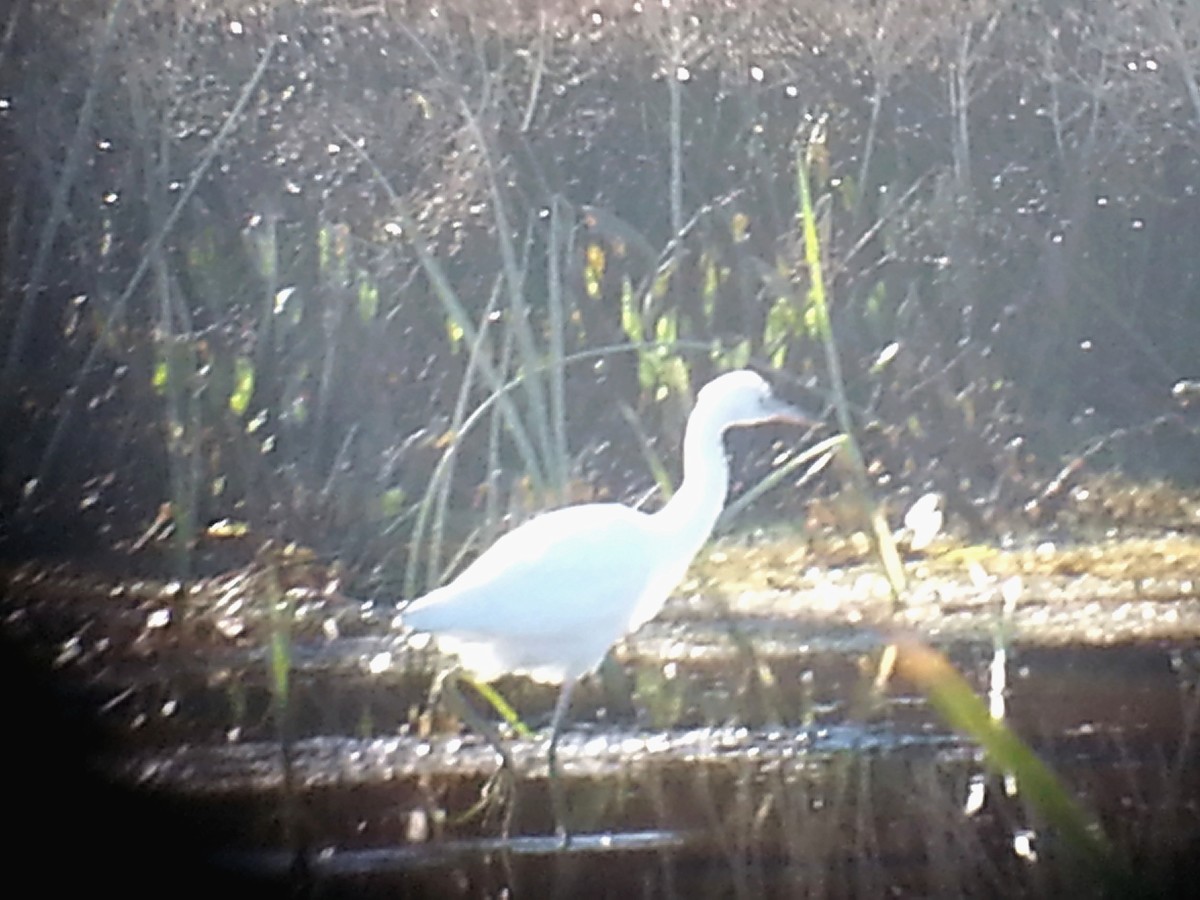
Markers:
(690, 514)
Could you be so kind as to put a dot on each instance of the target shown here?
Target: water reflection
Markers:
(731, 751)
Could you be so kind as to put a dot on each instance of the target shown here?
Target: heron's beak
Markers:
(781, 411)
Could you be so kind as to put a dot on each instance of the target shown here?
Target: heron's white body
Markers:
(550, 598)
(547, 600)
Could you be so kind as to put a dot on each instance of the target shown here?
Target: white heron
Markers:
(548, 599)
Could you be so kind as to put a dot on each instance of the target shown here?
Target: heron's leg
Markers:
(448, 687)
(557, 801)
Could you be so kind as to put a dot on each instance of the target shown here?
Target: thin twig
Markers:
(10, 32)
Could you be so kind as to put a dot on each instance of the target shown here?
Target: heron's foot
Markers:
(563, 835)
(558, 798)
(500, 793)
(498, 797)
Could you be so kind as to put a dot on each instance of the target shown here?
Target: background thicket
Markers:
(262, 261)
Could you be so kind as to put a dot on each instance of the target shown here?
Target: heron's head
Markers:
(743, 397)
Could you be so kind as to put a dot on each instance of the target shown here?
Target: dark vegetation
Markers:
(361, 277)
(260, 261)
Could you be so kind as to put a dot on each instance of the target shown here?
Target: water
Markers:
(735, 747)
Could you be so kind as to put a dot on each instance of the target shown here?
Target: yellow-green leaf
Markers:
(162, 372)
(243, 387)
(368, 301)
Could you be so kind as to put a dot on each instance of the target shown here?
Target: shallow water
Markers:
(734, 747)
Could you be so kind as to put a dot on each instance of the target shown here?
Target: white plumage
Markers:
(550, 598)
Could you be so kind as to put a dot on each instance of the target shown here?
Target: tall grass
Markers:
(154, 246)
(807, 152)
(48, 238)
(923, 666)
(530, 359)
(281, 617)
(1009, 756)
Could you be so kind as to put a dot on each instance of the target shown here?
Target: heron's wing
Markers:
(575, 568)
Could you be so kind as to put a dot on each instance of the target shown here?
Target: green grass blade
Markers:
(500, 705)
(1006, 753)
